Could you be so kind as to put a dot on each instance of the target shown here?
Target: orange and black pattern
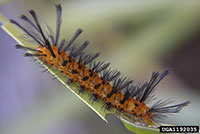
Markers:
(116, 91)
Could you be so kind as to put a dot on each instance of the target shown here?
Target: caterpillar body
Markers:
(116, 91)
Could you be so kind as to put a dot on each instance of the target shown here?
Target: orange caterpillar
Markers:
(117, 92)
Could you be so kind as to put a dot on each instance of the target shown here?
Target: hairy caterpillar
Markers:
(95, 76)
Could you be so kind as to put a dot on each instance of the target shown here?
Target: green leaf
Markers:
(138, 129)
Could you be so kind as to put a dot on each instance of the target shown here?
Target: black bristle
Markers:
(78, 51)
(51, 34)
(58, 23)
(99, 66)
(78, 32)
(30, 55)
(160, 109)
(28, 33)
(121, 83)
(61, 45)
(89, 58)
(23, 17)
(26, 48)
(155, 79)
(46, 41)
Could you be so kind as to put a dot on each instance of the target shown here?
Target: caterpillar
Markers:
(114, 89)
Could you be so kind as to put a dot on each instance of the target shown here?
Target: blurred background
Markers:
(137, 37)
